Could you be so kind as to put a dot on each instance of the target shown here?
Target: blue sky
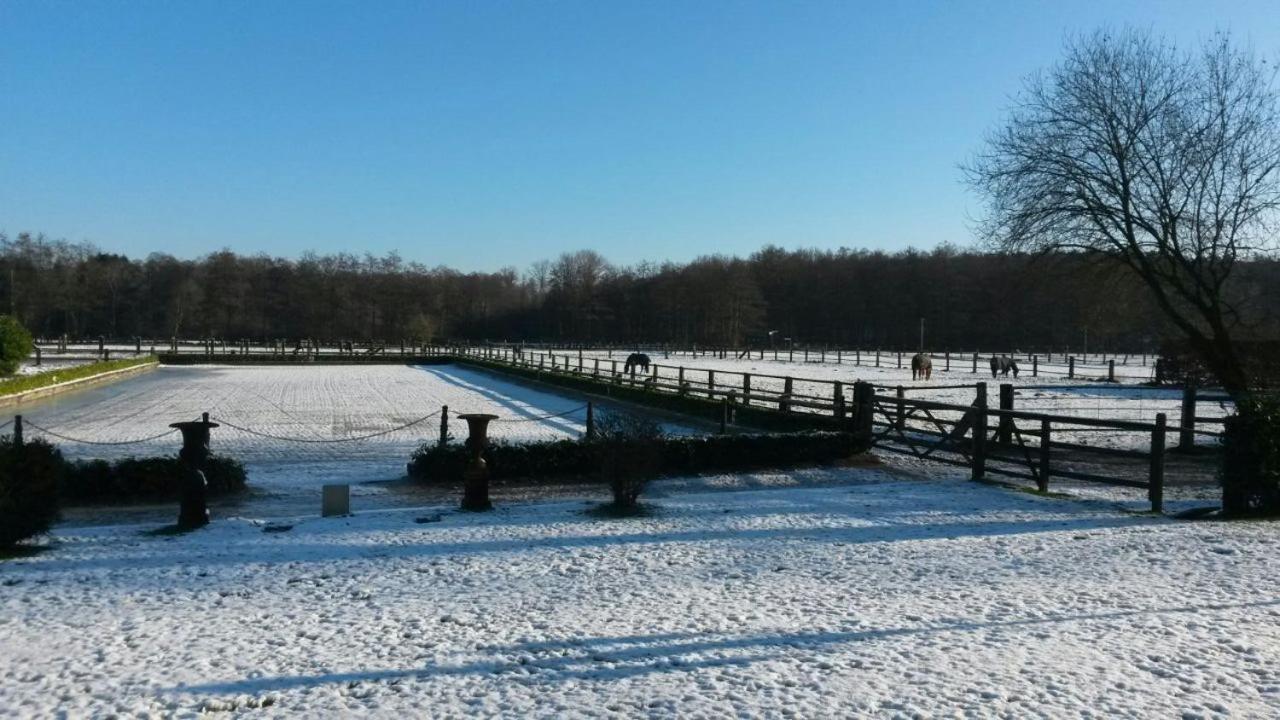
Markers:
(487, 134)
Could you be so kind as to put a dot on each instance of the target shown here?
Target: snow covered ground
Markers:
(854, 592)
(315, 404)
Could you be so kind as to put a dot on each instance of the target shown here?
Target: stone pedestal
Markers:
(193, 507)
(475, 493)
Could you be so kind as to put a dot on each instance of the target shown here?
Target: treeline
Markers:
(807, 297)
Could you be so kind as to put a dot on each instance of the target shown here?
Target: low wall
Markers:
(77, 384)
(289, 359)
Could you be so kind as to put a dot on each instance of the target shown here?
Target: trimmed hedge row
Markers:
(151, 479)
(678, 455)
(35, 478)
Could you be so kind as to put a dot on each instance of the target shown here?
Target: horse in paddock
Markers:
(636, 360)
(921, 367)
(1002, 364)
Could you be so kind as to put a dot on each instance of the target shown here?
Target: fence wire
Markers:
(580, 408)
(82, 441)
(324, 441)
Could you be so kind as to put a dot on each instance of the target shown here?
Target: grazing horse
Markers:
(921, 367)
(636, 360)
(1002, 364)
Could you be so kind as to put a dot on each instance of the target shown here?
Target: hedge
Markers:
(23, 383)
(147, 479)
(29, 477)
(1250, 470)
(679, 455)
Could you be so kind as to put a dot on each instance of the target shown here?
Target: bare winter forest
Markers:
(966, 298)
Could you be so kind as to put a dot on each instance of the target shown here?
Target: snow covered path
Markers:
(876, 598)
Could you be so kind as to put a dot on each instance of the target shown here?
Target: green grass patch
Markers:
(24, 383)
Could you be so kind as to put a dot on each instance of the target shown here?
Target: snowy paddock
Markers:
(312, 406)
(855, 592)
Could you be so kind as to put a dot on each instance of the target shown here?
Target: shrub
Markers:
(630, 454)
(131, 479)
(29, 479)
(564, 458)
(1250, 471)
(15, 344)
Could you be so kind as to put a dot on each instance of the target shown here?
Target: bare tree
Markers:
(1163, 160)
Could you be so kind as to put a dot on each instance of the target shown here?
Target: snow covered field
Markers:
(316, 404)
(855, 592)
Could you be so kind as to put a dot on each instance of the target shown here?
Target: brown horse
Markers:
(921, 367)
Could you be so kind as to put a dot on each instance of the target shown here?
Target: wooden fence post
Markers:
(975, 363)
(746, 388)
(680, 380)
(838, 399)
(784, 403)
(979, 470)
(17, 430)
(899, 359)
(724, 415)
(1005, 424)
(1045, 440)
(1155, 482)
(864, 398)
(591, 421)
(1187, 421)
(1071, 367)
(900, 416)
(948, 356)
(711, 384)
(444, 425)
(877, 357)
(1035, 366)
(1111, 370)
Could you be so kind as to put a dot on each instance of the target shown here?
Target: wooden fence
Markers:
(988, 440)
